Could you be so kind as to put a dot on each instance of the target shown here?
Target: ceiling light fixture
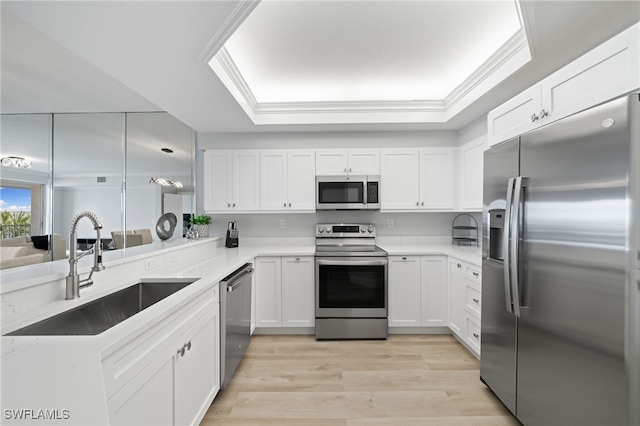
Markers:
(165, 182)
(12, 161)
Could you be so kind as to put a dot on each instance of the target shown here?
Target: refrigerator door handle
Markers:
(515, 243)
(506, 243)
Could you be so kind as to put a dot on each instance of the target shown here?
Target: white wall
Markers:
(473, 131)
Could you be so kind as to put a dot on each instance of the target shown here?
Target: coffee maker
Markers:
(232, 235)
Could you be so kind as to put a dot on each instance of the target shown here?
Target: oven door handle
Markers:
(353, 262)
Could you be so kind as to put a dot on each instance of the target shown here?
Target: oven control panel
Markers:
(345, 230)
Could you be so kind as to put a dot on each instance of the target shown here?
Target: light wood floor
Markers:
(405, 380)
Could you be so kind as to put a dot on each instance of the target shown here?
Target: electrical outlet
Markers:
(390, 223)
(150, 264)
(283, 224)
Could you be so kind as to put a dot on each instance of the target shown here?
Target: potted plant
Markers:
(201, 224)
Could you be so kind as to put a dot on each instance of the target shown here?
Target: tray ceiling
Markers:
(400, 61)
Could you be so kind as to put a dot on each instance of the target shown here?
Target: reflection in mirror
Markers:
(87, 174)
(24, 191)
(78, 164)
(158, 146)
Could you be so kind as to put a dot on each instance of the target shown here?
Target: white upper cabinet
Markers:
(606, 72)
(287, 180)
(471, 168)
(231, 180)
(418, 179)
(437, 178)
(347, 162)
(400, 179)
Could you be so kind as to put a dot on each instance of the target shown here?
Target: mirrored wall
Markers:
(101, 162)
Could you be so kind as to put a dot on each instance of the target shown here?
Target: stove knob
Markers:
(320, 229)
(370, 228)
(362, 229)
(327, 229)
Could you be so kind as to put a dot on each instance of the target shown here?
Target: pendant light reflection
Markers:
(165, 182)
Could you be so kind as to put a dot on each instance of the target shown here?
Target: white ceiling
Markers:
(137, 56)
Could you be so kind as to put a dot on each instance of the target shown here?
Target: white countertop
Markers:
(468, 254)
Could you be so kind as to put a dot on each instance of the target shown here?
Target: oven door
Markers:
(341, 192)
(351, 287)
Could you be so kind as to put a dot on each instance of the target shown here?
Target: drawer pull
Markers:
(404, 258)
(475, 274)
(476, 300)
(476, 335)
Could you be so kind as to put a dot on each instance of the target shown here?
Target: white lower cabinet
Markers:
(417, 291)
(465, 303)
(285, 291)
(170, 373)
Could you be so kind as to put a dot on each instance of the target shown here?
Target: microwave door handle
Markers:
(506, 244)
(365, 190)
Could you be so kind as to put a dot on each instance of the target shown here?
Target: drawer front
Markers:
(474, 301)
(473, 273)
(134, 355)
(473, 334)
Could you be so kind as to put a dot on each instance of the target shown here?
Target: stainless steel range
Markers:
(351, 283)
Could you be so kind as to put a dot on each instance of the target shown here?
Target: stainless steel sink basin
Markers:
(101, 314)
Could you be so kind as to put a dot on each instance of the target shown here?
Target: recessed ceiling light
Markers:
(167, 150)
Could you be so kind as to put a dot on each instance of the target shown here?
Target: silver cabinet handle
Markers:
(349, 169)
(404, 258)
(423, 203)
(234, 204)
(475, 274)
(534, 117)
(289, 204)
(477, 301)
(345, 170)
(459, 265)
(284, 204)
(188, 345)
(543, 113)
(417, 203)
(228, 204)
(476, 335)
(297, 259)
(181, 351)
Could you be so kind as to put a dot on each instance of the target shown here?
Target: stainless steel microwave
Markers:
(348, 192)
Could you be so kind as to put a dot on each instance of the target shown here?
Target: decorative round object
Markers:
(203, 230)
(161, 229)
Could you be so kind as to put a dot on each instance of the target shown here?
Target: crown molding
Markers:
(239, 14)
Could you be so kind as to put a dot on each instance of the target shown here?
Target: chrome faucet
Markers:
(74, 283)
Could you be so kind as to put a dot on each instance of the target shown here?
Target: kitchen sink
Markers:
(101, 314)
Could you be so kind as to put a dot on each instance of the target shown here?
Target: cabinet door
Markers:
(404, 291)
(400, 177)
(273, 181)
(433, 273)
(246, 180)
(331, 162)
(217, 180)
(148, 398)
(363, 161)
(268, 276)
(457, 299)
(471, 174)
(516, 116)
(606, 72)
(197, 371)
(301, 180)
(437, 178)
(298, 291)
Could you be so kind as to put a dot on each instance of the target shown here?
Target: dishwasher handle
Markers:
(236, 280)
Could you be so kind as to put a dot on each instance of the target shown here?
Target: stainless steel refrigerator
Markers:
(560, 289)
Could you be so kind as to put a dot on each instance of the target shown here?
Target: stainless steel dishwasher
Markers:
(235, 320)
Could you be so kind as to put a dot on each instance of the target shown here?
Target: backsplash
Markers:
(263, 225)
